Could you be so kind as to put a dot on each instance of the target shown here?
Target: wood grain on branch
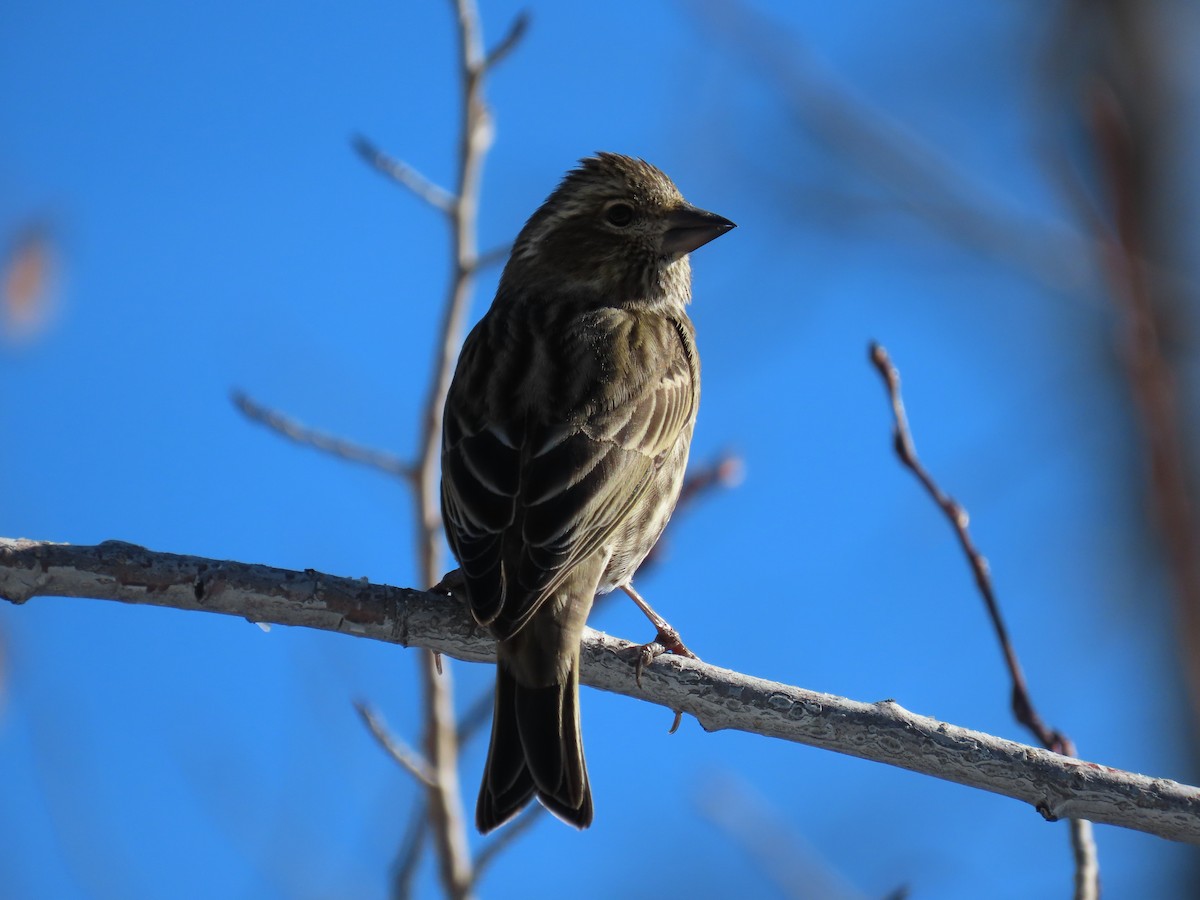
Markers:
(1056, 786)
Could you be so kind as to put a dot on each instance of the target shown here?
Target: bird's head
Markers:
(617, 228)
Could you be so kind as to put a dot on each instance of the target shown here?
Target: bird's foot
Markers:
(453, 583)
(667, 640)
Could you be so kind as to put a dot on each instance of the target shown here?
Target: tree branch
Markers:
(1056, 786)
(1087, 865)
(509, 42)
(929, 183)
(444, 799)
(404, 870)
(528, 817)
(1022, 704)
(404, 174)
(405, 756)
(295, 431)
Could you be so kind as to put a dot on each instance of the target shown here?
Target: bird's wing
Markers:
(481, 472)
(529, 501)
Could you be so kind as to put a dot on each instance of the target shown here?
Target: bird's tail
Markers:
(536, 750)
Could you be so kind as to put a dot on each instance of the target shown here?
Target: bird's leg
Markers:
(666, 638)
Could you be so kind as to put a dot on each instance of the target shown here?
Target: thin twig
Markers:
(409, 855)
(515, 829)
(508, 43)
(1082, 843)
(404, 174)
(477, 716)
(319, 440)
(494, 257)
(404, 755)
(727, 470)
(929, 183)
(753, 824)
(1022, 705)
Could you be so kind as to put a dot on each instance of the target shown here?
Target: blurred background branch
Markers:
(1115, 88)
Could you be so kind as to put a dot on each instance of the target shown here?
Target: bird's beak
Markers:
(689, 228)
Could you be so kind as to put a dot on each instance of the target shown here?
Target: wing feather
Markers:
(529, 500)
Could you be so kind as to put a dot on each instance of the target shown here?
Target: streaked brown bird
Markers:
(564, 444)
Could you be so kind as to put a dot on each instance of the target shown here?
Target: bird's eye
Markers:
(619, 214)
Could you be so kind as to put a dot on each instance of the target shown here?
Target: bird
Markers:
(565, 436)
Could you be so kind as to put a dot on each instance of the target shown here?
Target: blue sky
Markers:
(214, 231)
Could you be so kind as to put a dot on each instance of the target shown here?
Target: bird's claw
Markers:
(453, 583)
(666, 641)
(646, 654)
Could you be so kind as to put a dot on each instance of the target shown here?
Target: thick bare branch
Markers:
(1056, 786)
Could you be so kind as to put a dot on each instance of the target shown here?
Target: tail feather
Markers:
(536, 750)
